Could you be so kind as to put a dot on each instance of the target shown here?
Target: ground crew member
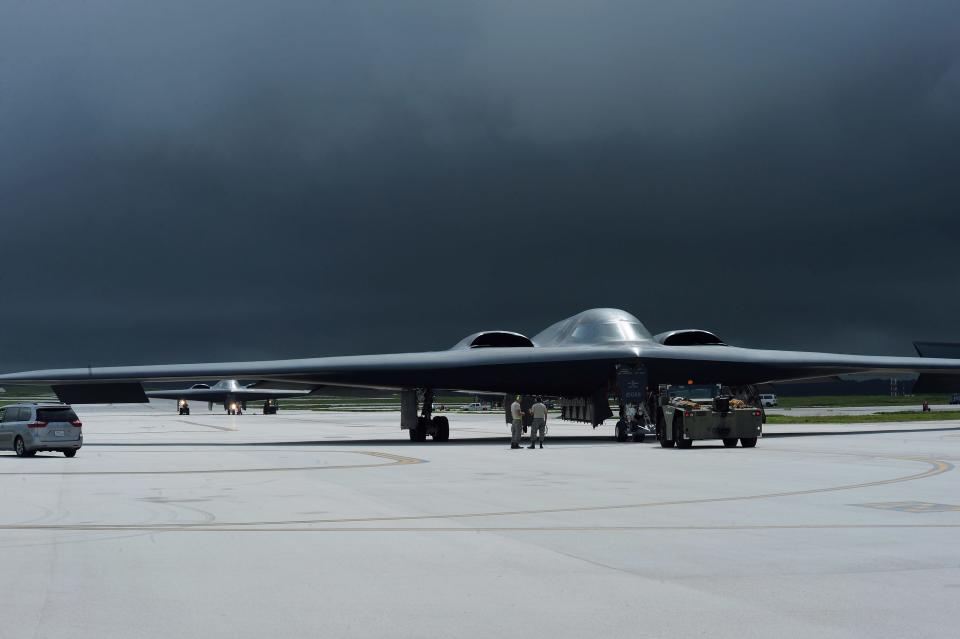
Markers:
(516, 429)
(539, 411)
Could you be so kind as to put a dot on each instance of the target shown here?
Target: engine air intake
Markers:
(688, 337)
(495, 339)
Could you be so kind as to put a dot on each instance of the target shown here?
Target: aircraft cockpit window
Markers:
(618, 331)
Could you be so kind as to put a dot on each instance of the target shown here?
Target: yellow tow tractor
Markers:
(696, 412)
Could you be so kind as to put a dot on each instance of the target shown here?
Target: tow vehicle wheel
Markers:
(729, 443)
(620, 433)
(70, 453)
(678, 434)
(748, 442)
(661, 433)
(19, 447)
(441, 429)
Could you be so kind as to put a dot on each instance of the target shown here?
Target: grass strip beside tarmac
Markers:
(899, 416)
(851, 401)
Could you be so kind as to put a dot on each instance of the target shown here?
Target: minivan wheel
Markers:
(20, 447)
(70, 453)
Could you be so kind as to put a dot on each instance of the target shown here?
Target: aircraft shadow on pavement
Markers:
(862, 432)
(505, 441)
(460, 441)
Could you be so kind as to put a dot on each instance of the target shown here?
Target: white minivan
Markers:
(29, 428)
(768, 399)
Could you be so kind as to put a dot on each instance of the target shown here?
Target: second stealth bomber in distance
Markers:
(227, 392)
(584, 359)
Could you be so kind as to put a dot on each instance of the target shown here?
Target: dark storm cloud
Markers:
(231, 180)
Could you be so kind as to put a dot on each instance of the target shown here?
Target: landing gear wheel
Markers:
(20, 448)
(419, 434)
(69, 453)
(441, 429)
(729, 442)
(620, 434)
(684, 443)
(748, 442)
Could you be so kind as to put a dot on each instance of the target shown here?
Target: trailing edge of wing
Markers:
(550, 370)
(114, 393)
(569, 371)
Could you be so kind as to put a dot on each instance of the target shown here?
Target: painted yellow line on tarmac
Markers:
(395, 460)
(936, 467)
(158, 528)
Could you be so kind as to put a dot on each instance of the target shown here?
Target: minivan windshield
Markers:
(48, 415)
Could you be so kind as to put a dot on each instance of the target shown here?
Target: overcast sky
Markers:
(213, 180)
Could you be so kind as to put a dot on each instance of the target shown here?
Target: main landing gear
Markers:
(422, 425)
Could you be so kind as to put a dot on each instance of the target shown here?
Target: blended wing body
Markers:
(225, 390)
(575, 357)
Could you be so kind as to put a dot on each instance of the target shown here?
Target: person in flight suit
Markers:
(539, 411)
(516, 428)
